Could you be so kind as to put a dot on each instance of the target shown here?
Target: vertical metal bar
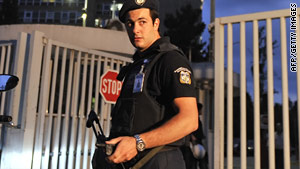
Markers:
(219, 96)
(97, 90)
(20, 56)
(7, 64)
(77, 81)
(88, 133)
(103, 106)
(98, 74)
(43, 103)
(243, 91)
(63, 158)
(3, 58)
(50, 113)
(229, 97)
(285, 97)
(3, 95)
(271, 137)
(105, 113)
(8, 56)
(81, 133)
(31, 97)
(57, 133)
(256, 96)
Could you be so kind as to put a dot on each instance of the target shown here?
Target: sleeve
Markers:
(177, 76)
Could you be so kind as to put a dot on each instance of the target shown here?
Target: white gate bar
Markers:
(298, 81)
(81, 131)
(219, 97)
(74, 118)
(285, 97)
(43, 106)
(90, 51)
(18, 71)
(98, 74)
(6, 58)
(243, 122)
(5, 71)
(257, 16)
(271, 138)
(86, 159)
(46, 160)
(91, 141)
(2, 59)
(97, 90)
(56, 133)
(229, 97)
(31, 97)
(64, 142)
(105, 106)
(256, 95)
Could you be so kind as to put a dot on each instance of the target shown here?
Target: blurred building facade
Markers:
(101, 13)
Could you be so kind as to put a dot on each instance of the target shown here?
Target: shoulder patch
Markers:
(182, 69)
(184, 75)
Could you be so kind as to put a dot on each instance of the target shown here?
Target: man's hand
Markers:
(125, 150)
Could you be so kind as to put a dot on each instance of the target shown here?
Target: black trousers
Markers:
(171, 159)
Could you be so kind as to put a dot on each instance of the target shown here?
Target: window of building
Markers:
(29, 2)
(106, 9)
(35, 17)
(49, 17)
(36, 2)
(57, 17)
(80, 2)
(27, 17)
(73, 17)
(78, 17)
(42, 17)
(57, 2)
(65, 17)
(21, 2)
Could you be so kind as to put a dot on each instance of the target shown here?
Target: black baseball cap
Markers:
(136, 4)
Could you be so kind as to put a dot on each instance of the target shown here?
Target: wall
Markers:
(86, 37)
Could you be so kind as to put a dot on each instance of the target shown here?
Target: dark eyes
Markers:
(140, 22)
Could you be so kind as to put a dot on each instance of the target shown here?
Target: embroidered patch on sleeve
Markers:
(184, 75)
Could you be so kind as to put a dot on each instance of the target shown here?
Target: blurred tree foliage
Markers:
(185, 29)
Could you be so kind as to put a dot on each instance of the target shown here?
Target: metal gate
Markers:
(238, 27)
(59, 85)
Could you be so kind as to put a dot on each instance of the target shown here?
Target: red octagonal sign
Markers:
(110, 87)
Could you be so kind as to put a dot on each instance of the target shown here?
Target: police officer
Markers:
(157, 105)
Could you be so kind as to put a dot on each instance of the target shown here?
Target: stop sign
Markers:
(110, 87)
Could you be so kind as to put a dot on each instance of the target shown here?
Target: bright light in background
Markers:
(119, 6)
(115, 7)
(84, 16)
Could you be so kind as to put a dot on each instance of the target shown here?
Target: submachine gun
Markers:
(103, 150)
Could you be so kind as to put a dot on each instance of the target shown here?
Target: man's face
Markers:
(140, 28)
